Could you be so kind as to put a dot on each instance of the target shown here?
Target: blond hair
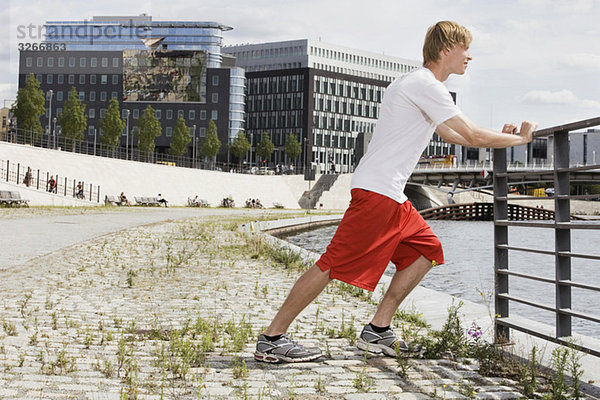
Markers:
(444, 36)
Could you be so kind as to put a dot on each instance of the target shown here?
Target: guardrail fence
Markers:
(40, 180)
(562, 225)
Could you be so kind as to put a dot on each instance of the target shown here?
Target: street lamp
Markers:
(54, 134)
(194, 146)
(127, 135)
(50, 93)
(251, 146)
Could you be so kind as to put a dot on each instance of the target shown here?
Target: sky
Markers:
(536, 60)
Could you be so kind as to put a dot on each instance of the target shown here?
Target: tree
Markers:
(181, 138)
(292, 147)
(148, 130)
(240, 147)
(72, 119)
(265, 147)
(29, 107)
(211, 145)
(112, 125)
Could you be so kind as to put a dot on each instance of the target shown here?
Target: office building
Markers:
(176, 67)
(328, 95)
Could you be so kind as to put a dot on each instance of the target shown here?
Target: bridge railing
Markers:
(565, 307)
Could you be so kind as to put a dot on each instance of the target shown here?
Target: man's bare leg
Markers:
(402, 284)
(304, 291)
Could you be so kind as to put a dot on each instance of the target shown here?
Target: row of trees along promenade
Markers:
(30, 105)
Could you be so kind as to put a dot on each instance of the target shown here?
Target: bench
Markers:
(112, 200)
(198, 203)
(12, 199)
(146, 201)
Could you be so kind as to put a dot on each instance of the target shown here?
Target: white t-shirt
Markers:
(413, 106)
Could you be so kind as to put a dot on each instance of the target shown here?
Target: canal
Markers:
(469, 269)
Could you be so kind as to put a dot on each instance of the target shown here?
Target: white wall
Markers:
(145, 179)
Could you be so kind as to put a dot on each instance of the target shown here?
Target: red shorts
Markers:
(374, 231)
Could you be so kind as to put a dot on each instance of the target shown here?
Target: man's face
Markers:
(457, 59)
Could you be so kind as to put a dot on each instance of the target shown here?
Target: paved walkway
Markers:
(171, 310)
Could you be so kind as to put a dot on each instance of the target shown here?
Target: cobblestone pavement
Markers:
(172, 310)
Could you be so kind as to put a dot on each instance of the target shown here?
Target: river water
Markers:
(469, 269)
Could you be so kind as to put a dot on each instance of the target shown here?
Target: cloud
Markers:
(561, 97)
(8, 91)
(581, 61)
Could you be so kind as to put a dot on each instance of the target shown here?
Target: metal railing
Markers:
(562, 225)
(95, 148)
(40, 180)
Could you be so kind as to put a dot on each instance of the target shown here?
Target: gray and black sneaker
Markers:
(283, 349)
(384, 342)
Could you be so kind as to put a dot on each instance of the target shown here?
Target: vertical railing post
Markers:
(91, 189)
(562, 237)
(7, 169)
(38, 180)
(66, 183)
(18, 171)
(502, 333)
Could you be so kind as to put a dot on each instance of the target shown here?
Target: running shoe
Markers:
(283, 349)
(384, 342)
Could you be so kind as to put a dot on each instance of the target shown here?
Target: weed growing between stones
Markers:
(362, 382)
(346, 331)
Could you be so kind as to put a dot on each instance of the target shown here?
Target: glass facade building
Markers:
(139, 32)
(113, 43)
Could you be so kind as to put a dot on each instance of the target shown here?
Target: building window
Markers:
(203, 115)
(81, 96)
(82, 62)
(28, 61)
(169, 114)
(93, 79)
(115, 62)
(215, 80)
(40, 62)
(169, 131)
(61, 61)
(59, 95)
(102, 96)
(215, 97)
(214, 115)
(49, 78)
(136, 113)
(191, 115)
(114, 95)
(179, 114)
(71, 62)
(104, 62)
(82, 79)
(51, 61)
(92, 113)
(71, 79)
(92, 95)
(158, 114)
(91, 129)
(93, 62)
(115, 79)
(202, 132)
(60, 79)
(104, 79)
(102, 112)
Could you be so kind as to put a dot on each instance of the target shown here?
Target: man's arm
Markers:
(460, 130)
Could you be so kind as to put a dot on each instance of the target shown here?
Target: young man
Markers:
(381, 225)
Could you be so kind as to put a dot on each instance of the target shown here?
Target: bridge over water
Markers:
(479, 176)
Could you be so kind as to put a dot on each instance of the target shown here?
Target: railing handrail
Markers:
(562, 226)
